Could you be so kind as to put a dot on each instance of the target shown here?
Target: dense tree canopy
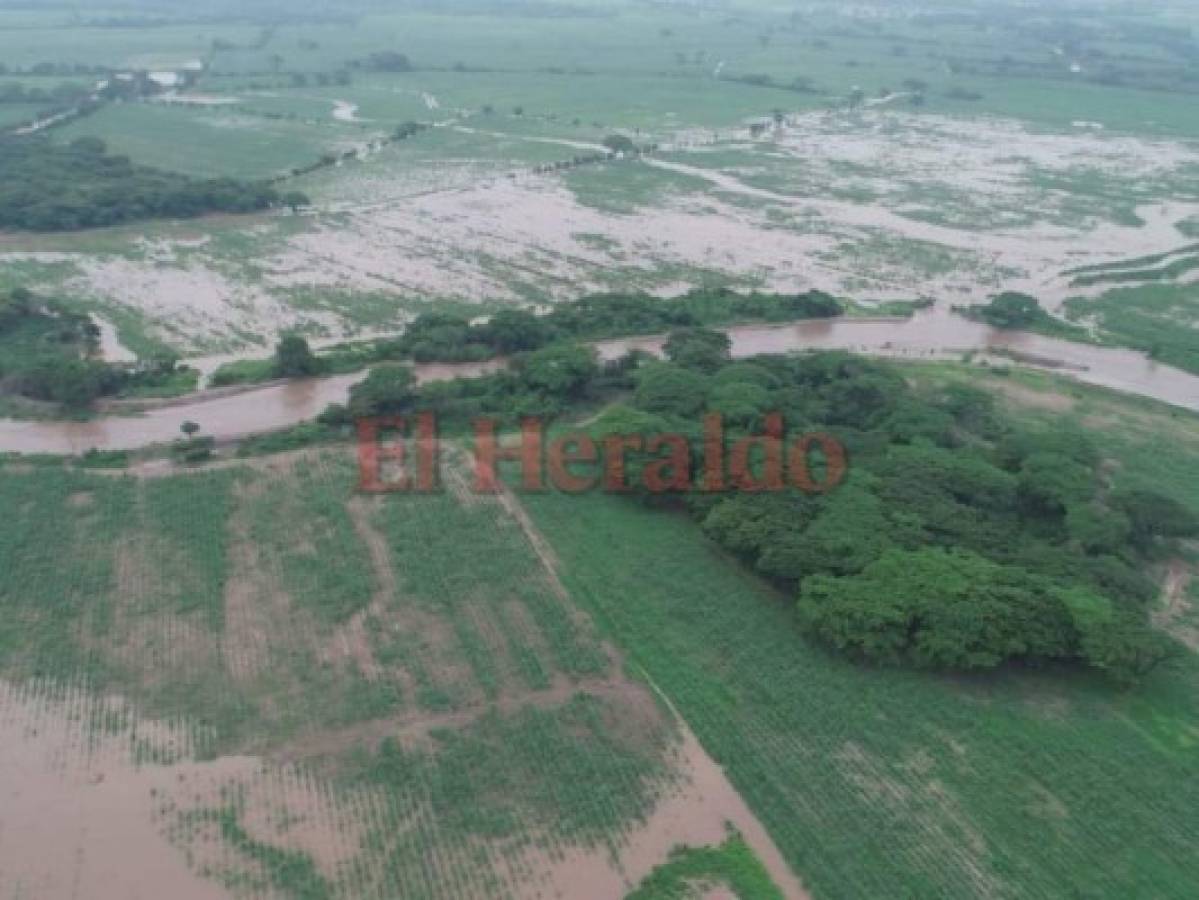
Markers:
(958, 540)
(45, 186)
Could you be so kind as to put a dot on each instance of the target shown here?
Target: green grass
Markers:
(1176, 268)
(887, 782)
(1159, 319)
(244, 371)
(208, 142)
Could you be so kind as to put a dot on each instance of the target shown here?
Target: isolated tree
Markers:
(294, 358)
(620, 143)
(1012, 310)
(189, 428)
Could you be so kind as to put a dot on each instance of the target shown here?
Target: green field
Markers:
(885, 782)
(209, 142)
(260, 682)
(411, 665)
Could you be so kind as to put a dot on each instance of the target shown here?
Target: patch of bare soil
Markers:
(930, 810)
(255, 603)
(1174, 612)
(697, 812)
(1048, 400)
(145, 638)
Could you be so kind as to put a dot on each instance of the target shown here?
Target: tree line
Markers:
(46, 186)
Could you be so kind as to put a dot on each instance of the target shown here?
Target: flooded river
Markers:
(931, 334)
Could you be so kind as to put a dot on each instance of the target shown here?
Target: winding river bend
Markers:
(930, 334)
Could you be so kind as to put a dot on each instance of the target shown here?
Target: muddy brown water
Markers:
(930, 334)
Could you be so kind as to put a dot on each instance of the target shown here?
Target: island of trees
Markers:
(958, 541)
(48, 353)
(47, 186)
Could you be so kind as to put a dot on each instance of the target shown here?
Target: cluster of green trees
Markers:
(958, 540)
(542, 383)
(47, 353)
(1011, 310)
(46, 186)
(45, 350)
(443, 337)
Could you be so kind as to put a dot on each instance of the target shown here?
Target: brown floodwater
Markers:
(930, 334)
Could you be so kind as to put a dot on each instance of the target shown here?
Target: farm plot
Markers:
(299, 692)
(218, 140)
(1148, 302)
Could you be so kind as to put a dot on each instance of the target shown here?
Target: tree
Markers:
(514, 330)
(620, 143)
(294, 359)
(1152, 515)
(670, 390)
(385, 390)
(940, 610)
(561, 371)
(189, 428)
(698, 348)
(295, 200)
(1012, 310)
(389, 61)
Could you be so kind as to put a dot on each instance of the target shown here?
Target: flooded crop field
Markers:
(833, 201)
(228, 230)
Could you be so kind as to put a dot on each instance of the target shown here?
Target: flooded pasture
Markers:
(863, 206)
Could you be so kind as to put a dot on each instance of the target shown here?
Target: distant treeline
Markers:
(46, 186)
(450, 338)
(441, 337)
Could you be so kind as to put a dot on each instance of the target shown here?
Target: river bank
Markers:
(929, 334)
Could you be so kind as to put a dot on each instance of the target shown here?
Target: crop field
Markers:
(1018, 784)
(284, 689)
(1150, 303)
(790, 155)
